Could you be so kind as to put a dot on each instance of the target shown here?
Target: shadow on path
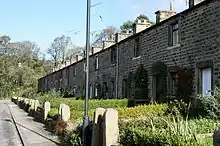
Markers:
(38, 134)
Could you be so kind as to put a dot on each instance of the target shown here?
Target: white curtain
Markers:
(206, 81)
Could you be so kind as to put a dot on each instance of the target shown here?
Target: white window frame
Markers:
(205, 84)
(175, 34)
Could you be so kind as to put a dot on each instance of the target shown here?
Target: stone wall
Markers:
(199, 43)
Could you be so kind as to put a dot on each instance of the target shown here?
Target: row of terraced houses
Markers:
(188, 40)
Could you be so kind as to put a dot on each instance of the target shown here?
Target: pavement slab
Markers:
(8, 133)
(33, 133)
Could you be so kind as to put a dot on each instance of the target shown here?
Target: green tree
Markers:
(142, 17)
(127, 26)
(73, 50)
(4, 40)
(105, 34)
(21, 67)
(58, 49)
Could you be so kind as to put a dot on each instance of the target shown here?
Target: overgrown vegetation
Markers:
(21, 67)
(173, 123)
(174, 132)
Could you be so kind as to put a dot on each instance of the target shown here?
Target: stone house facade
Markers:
(185, 41)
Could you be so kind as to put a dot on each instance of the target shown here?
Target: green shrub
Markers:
(204, 125)
(93, 104)
(178, 107)
(159, 122)
(53, 112)
(77, 106)
(207, 107)
(143, 111)
(177, 133)
(50, 96)
(217, 94)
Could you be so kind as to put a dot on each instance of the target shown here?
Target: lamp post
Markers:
(20, 76)
(86, 117)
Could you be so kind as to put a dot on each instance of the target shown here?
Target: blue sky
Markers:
(42, 20)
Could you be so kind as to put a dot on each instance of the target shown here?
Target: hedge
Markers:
(77, 106)
(157, 131)
(143, 111)
(93, 104)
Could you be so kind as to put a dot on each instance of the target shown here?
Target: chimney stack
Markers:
(163, 15)
(194, 2)
(96, 49)
(72, 59)
(121, 36)
(140, 25)
(78, 57)
(108, 43)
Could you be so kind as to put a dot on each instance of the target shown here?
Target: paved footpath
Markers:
(32, 132)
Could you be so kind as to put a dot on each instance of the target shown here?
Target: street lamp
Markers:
(86, 117)
(20, 76)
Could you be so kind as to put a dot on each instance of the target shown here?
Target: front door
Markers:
(159, 87)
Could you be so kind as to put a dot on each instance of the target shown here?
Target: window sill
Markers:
(173, 47)
(134, 58)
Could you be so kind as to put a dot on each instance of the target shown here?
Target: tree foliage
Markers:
(21, 67)
(105, 34)
(73, 50)
(58, 49)
(127, 26)
(4, 40)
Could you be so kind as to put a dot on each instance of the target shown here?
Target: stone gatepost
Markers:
(110, 128)
(19, 100)
(46, 109)
(65, 113)
(60, 108)
(97, 129)
(36, 105)
(31, 105)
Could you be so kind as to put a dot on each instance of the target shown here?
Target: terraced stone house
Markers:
(180, 55)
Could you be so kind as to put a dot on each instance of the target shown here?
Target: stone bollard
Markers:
(60, 108)
(110, 127)
(26, 104)
(36, 105)
(46, 109)
(19, 100)
(65, 113)
(31, 108)
(97, 129)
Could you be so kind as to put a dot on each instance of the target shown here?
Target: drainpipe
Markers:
(117, 68)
